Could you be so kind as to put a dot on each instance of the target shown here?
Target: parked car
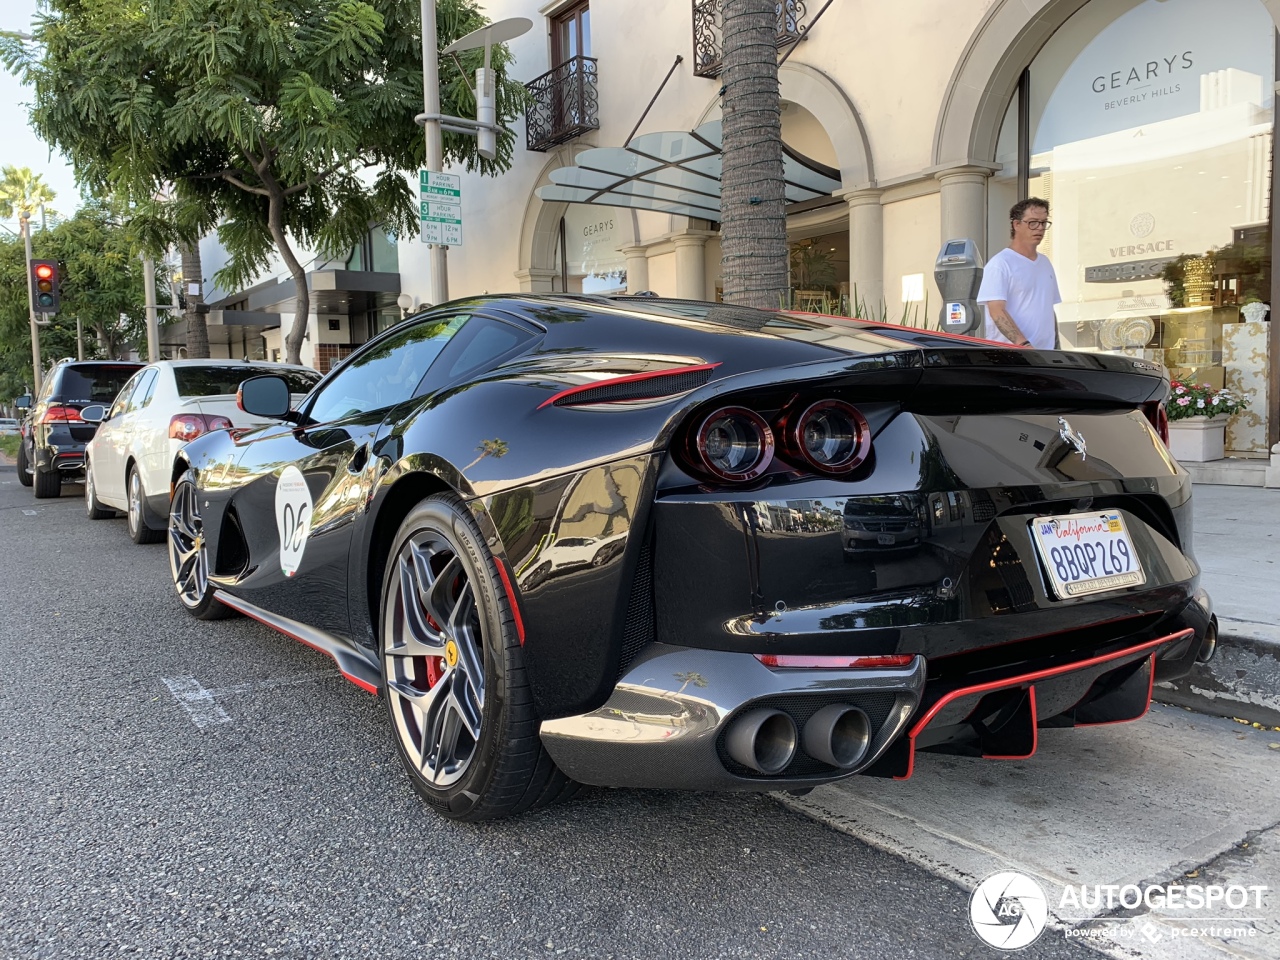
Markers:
(412, 518)
(129, 463)
(8, 427)
(880, 524)
(54, 434)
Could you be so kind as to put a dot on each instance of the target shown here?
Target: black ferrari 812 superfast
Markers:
(661, 543)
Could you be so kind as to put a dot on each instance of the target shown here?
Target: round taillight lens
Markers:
(734, 443)
(832, 437)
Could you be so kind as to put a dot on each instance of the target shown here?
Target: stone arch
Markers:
(540, 228)
(1008, 38)
(815, 91)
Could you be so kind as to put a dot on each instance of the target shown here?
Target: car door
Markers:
(124, 438)
(312, 481)
(107, 450)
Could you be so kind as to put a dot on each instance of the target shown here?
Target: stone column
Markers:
(637, 267)
(964, 202)
(536, 280)
(866, 247)
(691, 265)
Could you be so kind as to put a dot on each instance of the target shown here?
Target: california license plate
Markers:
(886, 539)
(1087, 553)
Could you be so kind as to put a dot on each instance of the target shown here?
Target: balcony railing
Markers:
(565, 104)
(708, 32)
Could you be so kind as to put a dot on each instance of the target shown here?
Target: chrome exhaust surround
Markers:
(1209, 645)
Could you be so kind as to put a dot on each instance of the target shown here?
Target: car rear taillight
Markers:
(1159, 417)
(58, 414)
(188, 426)
(734, 444)
(830, 436)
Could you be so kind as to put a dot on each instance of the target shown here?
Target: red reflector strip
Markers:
(783, 661)
(511, 598)
(628, 378)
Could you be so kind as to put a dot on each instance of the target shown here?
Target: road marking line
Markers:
(200, 701)
(30, 513)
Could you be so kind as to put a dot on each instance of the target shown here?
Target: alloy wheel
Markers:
(135, 501)
(188, 556)
(434, 659)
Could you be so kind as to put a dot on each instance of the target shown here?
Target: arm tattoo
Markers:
(1004, 323)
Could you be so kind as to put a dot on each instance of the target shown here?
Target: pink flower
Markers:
(1179, 389)
(1207, 386)
(1183, 401)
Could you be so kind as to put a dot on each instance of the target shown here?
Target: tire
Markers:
(24, 465)
(188, 555)
(94, 509)
(139, 531)
(462, 716)
(47, 484)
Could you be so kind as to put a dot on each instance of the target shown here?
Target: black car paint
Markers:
(718, 583)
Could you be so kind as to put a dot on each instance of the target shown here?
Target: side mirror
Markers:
(23, 402)
(265, 396)
(94, 413)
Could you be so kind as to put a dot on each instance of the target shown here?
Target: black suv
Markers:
(53, 435)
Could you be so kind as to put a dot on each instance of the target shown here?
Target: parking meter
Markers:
(958, 273)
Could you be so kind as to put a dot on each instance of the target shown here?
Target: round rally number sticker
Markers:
(293, 518)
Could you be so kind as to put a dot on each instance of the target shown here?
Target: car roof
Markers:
(220, 362)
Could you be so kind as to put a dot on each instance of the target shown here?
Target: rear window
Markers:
(96, 383)
(217, 381)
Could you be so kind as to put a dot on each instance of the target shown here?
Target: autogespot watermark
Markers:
(1009, 910)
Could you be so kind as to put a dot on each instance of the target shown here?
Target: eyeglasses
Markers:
(1036, 224)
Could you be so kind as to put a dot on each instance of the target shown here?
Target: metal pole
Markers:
(437, 259)
(153, 327)
(25, 220)
(79, 339)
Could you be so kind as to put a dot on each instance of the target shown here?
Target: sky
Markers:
(19, 145)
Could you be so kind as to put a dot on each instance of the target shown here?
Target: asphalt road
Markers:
(172, 788)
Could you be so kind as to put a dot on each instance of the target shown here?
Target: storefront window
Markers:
(820, 273)
(590, 258)
(1150, 133)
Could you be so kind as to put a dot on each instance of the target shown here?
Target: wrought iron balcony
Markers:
(708, 32)
(565, 104)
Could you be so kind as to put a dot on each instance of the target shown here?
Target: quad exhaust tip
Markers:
(1209, 645)
(839, 735)
(763, 740)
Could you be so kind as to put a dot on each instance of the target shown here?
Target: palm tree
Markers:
(24, 192)
(197, 329)
(753, 227)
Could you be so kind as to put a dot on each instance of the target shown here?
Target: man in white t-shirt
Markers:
(1019, 287)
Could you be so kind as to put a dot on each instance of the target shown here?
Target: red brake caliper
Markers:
(435, 665)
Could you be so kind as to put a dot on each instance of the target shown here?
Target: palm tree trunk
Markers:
(752, 204)
(192, 273)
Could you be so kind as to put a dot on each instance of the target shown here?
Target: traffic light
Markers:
(44, 280)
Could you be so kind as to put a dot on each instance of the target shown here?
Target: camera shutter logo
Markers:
(1008, 911)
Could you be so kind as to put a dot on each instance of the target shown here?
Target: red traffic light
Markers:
(44, 271)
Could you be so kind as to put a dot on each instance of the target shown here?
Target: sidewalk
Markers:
(1237, 542)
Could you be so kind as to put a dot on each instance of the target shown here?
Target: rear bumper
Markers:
(665, 724)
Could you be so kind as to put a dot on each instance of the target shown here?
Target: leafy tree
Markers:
(22, 191)
(101, 286)
(279, 123)
(753, 226)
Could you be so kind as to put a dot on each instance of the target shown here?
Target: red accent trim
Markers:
(230, 601)
(1151, 686)
(1035, 736)
(511, 598)
(784, 661)
(1032, 677)
(628, 378)
(876, 324)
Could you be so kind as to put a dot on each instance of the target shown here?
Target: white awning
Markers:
(673, 173)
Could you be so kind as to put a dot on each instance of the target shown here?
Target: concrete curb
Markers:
(1242, 680)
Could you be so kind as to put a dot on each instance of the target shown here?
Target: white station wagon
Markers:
(129, 462)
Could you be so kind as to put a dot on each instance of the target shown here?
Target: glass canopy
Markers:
(673, 172)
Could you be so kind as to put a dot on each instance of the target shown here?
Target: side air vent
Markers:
(638, 386)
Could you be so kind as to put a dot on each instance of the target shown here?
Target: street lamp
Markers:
(434, 122)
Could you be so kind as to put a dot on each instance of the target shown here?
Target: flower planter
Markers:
(1197, 439)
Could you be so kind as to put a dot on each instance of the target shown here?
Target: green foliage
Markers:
(101, 284)
(9, 445)
(22, 191)
(273, 121)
